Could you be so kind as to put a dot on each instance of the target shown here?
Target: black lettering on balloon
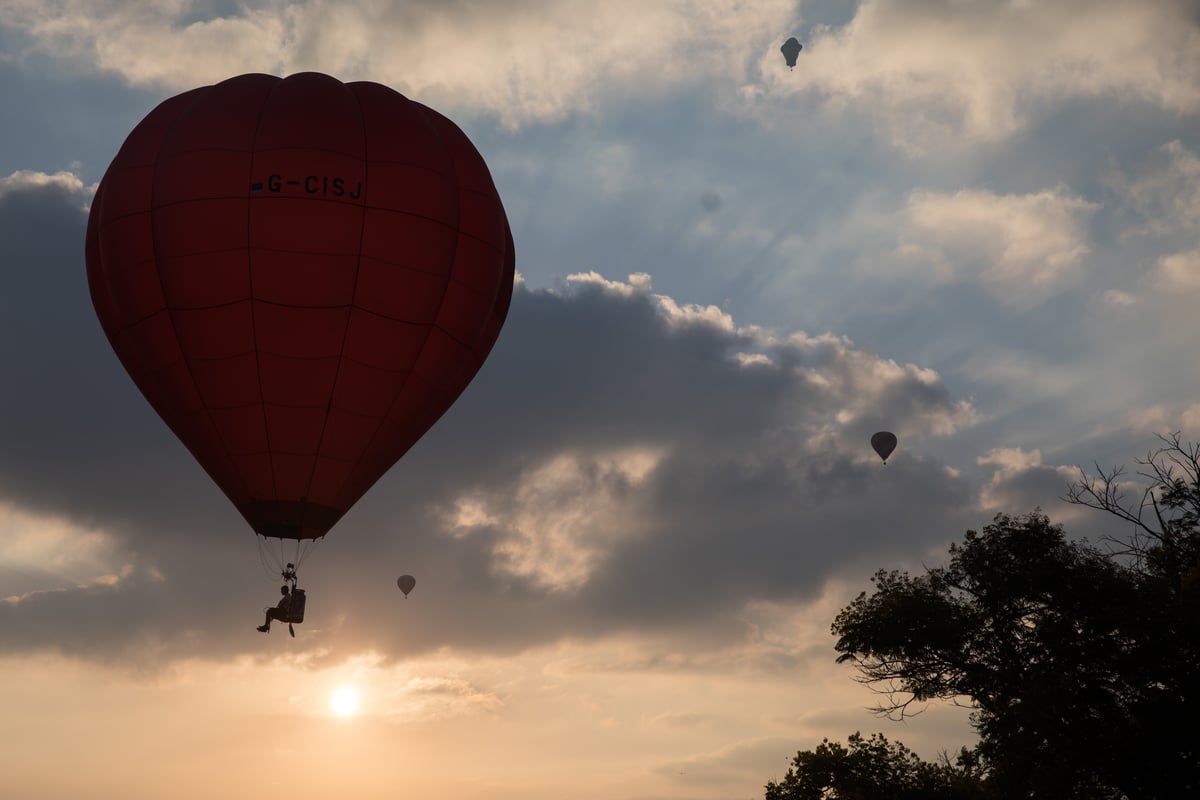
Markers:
(324, 185)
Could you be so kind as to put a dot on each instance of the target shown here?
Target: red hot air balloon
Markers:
(301, 276)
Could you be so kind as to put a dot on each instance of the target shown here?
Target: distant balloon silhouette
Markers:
(884, 443)
(791, 50)
(406, 584)
(301, 276)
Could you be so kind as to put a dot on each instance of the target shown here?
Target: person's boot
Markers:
(264, 628)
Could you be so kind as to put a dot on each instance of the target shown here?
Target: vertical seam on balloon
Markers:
(158, 273)
(262, 400)
(362, 225)
(453, 257)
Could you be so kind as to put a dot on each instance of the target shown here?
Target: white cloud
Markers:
(691, 314)
(1021, 246)
(873, 389)
(150, 42)
(1161, 419)
(1011, 459)
(639, 282)
(563, 517)
(1163, 191)
(935, 70)
(1179, 271)
(525, 60)
(1021, 481)
(43, 553)
(1149, 419)
(24, 179)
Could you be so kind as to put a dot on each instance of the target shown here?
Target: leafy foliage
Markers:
(876, 768)
(1082, 665)
(1081, 670)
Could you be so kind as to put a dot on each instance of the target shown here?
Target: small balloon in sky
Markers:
(791, 50)
(406, 584)
(710, 201)
(884, 443)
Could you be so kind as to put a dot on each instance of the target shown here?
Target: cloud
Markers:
(624, 462)
(1161, 419)
(1022, 481)
(1022, 247)
(522, 60)
(154, 42)
(1179, 271)
(729, 765)
(561, 515)
(43, 553)
(1163, 192)
(931, 72)
(447, 694)
(682, 719)
(1157, 216)
(29, 179)
(934, 72)
(1117, 298)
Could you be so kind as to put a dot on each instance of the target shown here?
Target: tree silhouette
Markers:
(1081, 664)
(1166, 545)
(876, 768)
(1024, 626)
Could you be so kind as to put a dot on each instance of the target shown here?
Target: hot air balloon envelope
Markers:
(406, 583)
(884, 443)
(301, 275)
(791, 50)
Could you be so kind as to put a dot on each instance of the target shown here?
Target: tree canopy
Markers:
(876, 768)
(1081, 662)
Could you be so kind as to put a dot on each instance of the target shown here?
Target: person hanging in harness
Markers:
(290, 607)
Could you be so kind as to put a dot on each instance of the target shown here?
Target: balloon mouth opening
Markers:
(290, 519)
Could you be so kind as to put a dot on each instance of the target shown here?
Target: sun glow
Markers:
(344, 701)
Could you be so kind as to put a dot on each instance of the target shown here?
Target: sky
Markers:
(975, 223)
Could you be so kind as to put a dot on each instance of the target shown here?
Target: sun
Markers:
(344, 701)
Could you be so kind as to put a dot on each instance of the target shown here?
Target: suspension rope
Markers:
(262, 554)
(304, 551)
(301, 550)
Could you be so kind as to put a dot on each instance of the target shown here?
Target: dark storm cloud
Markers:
(638, 466)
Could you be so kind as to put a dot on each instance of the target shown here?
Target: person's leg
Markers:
(272, 613)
